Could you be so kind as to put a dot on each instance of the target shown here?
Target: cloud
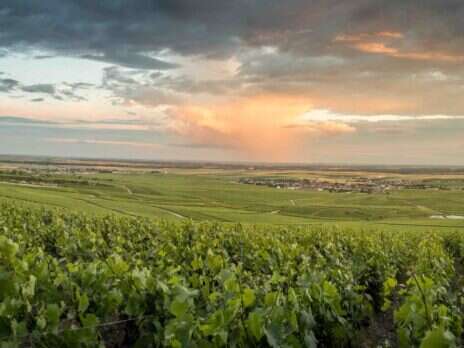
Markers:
(292, 42)
(79, 85)
(326, 128)
(7, 85)
(110, 124)
(381, 48)
(51, 90)
(318, 115)
(131, 60)
(390, 34)
(63, 92)
(104, 142)
(270, 62)
(133, 87)
(102, 30)
(44, 88)
(370, 43)
(44, 56)
(254, 125)
(240, 74)
(70, 95)
(207, 146)
(21, 120)
(113, 75)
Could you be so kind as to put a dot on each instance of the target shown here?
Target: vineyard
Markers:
(81, 281)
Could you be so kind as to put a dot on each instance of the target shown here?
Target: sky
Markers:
(353, 82)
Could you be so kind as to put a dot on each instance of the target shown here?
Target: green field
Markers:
(216, 195)
(190, 257)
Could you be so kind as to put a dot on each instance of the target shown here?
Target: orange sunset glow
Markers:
(240, 81)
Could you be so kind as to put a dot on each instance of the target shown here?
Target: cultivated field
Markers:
(114, 255)
(215, 194)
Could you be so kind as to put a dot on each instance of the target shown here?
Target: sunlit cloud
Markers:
(368, 36)
(391, 34)
(371, 43)
(323, 128)
(262, 126)
(376, 47)
(252, 125)
(324, 115)
(381, 48)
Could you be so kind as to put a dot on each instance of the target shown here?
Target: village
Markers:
(358, 184)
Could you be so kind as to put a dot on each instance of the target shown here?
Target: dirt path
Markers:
(28, 185)
(380, 331)
(173, 213)
(176, 215)
(129, 191)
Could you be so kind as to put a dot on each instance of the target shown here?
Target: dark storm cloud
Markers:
(359, 50)
(121, 32)
(102, 30)
(209, 26)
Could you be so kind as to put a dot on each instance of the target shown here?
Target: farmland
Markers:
(216, 194)
(177, 256)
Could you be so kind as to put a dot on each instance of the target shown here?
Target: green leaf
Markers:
(53, 313)
(118, 265)
(89, 320)
(41, 322)
(248, 297)
(19, 329)
(307, 319)
(386, 305)
(83, 303)
(310, 340)
(403, 338)
(197, 264)
(273, 335)
(292, 297)
(28, 289)
(293, 321)
(438, 338)
(255, 324)
(388, 285)
(179, 307)
(231, 285)
(270, 298)
(8, 249)
(214, 262)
